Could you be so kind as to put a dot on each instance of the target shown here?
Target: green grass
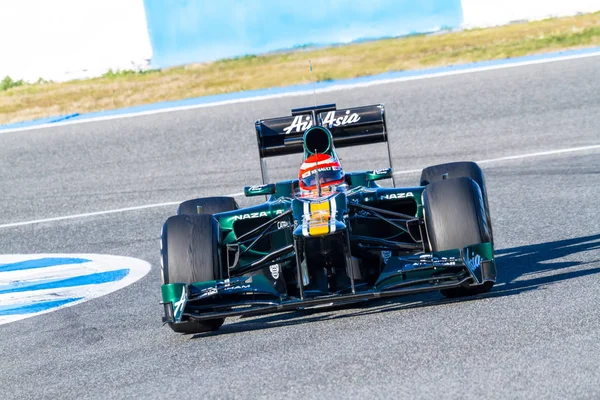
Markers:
(8, 83)
(116, 89)
(119, 74)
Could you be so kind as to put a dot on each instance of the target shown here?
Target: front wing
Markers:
(256, 294)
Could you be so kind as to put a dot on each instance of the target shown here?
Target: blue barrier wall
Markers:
(185, 31)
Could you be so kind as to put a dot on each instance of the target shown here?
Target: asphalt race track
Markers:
(536, 335)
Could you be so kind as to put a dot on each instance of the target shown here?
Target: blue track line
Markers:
(40, 263)
(91, 279)
(17, 309)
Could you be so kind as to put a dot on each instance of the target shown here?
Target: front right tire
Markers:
(455, 217)
(460, 169)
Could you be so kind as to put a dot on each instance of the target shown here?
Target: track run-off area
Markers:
(104, 188)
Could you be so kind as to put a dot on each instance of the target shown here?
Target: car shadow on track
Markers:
(551, 259)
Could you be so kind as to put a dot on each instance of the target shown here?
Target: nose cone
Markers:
(320, 216)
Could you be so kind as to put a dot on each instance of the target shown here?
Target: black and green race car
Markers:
(362, 241)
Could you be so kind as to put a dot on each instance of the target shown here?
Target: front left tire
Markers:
(190, 254)
(207, 205)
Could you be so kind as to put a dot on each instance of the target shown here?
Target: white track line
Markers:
(86, 215)
(174, 203)
(542, 153)
(517, 157)
(334, 88)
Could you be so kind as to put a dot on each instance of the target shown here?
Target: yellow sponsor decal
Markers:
(320, 213)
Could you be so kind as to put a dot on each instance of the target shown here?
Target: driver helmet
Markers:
(328, 169)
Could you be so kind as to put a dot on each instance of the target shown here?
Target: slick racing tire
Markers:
(460, 169)
(455, 218)
(207, 205)
(190, 254)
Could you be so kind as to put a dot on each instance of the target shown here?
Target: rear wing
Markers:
(348, 127)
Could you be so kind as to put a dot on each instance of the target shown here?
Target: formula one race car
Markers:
(328, 237)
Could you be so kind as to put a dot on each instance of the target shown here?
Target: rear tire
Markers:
(455, 218)
(207, 205)
(460, 169)
(190, 254)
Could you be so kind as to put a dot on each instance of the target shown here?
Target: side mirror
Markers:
(378, 174)
(259, 190)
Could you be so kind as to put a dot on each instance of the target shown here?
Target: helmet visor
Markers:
(327, 175)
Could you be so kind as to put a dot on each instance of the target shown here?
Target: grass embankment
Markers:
(115, 90)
